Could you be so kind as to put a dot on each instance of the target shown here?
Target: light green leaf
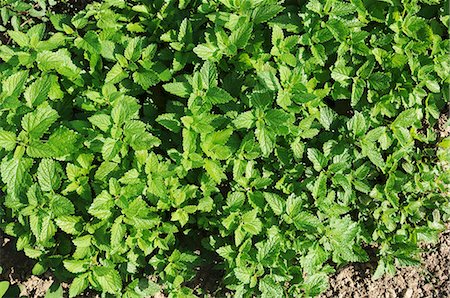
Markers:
(69, 224)
(327, 117)
(275, 202)
(102, 121)
(38, 91)
(108, 279)
(15, 173)
(339, 30)
(266, 139)
(78, 285)
(205, 51)
(250, 223)
(357, 124)
(48, 175)
(102, 205)
(244, 120)
(116, 74)
(357, 91)
(214, 170)
(146, 78)
(38, 122)
(13, 85)
(243, 274)
(133, 49)
(269, 288)
(181, 89)
(7, 140)
(317, 158)
(110, 149)
(76, 266)
(20, 38)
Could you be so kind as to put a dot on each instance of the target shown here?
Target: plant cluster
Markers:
(148, 143)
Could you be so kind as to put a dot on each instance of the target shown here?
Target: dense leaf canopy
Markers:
(259, 143)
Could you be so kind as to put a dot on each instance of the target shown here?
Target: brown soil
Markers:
(443, 127)
(17, 270)
(431, 279)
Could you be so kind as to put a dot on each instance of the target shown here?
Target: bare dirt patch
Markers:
(17, 270)
(430, 280)
(443, 123)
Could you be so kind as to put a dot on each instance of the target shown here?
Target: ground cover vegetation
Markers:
(240, 147)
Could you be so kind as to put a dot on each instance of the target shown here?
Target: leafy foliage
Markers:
(266, 140)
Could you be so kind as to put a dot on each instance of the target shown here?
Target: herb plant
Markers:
(264, 142)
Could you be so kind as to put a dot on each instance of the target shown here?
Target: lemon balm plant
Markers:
(268, 142)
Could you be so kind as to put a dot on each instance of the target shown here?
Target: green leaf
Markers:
(133, 49)
(181, 89)
(146, 78)
(55, 291)
(216, 95)
(48, 175)
(214, 170)
(357, 124)
(13, 85)
(205, 51)
(102, 205)
(319, 53)
(250, 223)
(76, 266)
(116, 74)
(406, 119)
(243, 274)
(38, 91)
(4, 286)
(244, 120)
(357, 91)
(373, 153)
(108, 279)
(20, 38)
(433, 86)
(339, 30)
(118, 231)
(379, 81)
(78, 285)
(241, 33)
(69, 224)
(60, 61)
(317, 158)
(209, 75)
(42, 226)
(264, 13)
(7, 140)
(327, 117)
(169, 121)
(15, 173)
(110, 149)
(315, 284)
(275, 202)
(319, 190)
(61, 206)
(90, 43)
(269, 288)
(39, 121)
(305, 221)
(266, 139)
(269, 80)
(102, 121)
